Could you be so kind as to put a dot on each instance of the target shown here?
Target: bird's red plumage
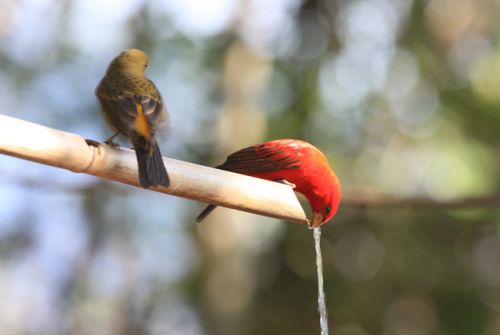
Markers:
(299, 163)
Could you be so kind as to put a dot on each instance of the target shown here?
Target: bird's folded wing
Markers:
(260, 159)
(122, 110)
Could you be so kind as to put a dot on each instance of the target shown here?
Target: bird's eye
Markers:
(145, 65)
(327, 210)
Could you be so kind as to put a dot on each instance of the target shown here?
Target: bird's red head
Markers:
(322, 188)
(325, 204)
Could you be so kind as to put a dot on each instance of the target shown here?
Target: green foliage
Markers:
(403, 98)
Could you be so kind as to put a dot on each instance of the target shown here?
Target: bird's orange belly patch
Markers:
(141, 124)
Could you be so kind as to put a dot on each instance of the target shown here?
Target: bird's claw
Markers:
(109, 141)
(286, 182)
(112, 144)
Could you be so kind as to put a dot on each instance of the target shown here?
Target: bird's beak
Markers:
(316, 221)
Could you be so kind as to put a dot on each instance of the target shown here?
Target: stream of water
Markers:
(323, 318)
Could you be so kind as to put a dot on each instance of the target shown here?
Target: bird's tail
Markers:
(205, 213)
(152, 171)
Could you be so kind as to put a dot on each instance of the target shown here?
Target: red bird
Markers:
(292, 162)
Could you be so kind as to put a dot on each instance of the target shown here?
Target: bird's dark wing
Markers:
(121, 110)
(260, 158)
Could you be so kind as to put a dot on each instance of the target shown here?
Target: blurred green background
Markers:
(403, 96)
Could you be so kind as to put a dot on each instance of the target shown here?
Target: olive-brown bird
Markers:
(133, 107)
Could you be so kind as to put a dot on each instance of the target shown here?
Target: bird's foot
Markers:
(112, 144)
(109, 141)
(286, 182)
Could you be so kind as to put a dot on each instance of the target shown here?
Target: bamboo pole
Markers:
(69, 151)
